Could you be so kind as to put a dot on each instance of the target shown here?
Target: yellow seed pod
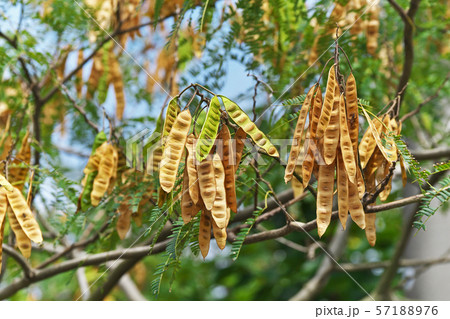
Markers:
(352, 111)
(404, 176)
(376, 132)
(389, 147)
(219, 209)
(18, 174)
(331, 136)
(342, 189)
(297, 186)
(308, 162)
(3, 206)
(325, 197)
(297, 140)
(371, 232)
(173, 151)
(368, 143)
(207, 182)
(5, 184)
(360, 183)
(229, 167)
(220, 234)
(242, 119)
(191, 169)
(204, 233)
(24, 215)
(354, 205)
(314, 115)
(239, 138)
(327, 108)
(348, 154)
(124, 220)
(22, 240)
(106, 170)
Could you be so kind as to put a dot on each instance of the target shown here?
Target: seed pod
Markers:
(79, 75)
(191, 169)
(324, 197)
(297, 186)
(372, 26)
(387, 189)
(376, 132)
(371, 232)
(327, 108)
(298, 134)
(188, 208)
(368, 143)
(314, 115)
(171, 114)
(97, 72)
(360, 183)
(389, 147)
(162, 195)
(3, 207)
(228, 165)
(219, 209)
(404, 176)
(331, 136)
(220, 234)
(22, 240)
(352, 112)
(24, 215)
(207, 182)
(242, 119)
(354, 205)
(117, 81)
(342, 189)
(18, 173)
(209, 131)
(348, 154)
(5, 184)
(239, 138)
(124, 220)
(204, 233)
(308, 162)
(106, 170)
(174, 150)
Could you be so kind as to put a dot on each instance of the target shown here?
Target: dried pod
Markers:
(219, 209)
(328, 103)
(342, 189)
(207, 182)
(227, 162)
(298, 135)
(354, 205)
(314, 115)
(204, 233)
(352, 112)
(191, 169)
(239, 138)
(348, 154)
(331, 136)
(173, 151)
(371, 232)
(325, 197)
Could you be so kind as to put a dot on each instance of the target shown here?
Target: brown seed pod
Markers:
(331, 136)
(117, 81)
(227, 162)
(79, 75)
(352, 112)
(404, 176)
(220, 234)
(17, 174)
(173, 151)
(162, 195)
(298, 135)
(342, 189)
(188, 208)
(371, 232)
(327, 108)
(325, 197)
(360, 183)
(219, 209)
(348, 154)
(354, 205)
(389, 147)
(24, 215)
(308, 161)
(194, 191)
(314, 115)
(204, 233)
(124, 220)
(239, 138)
(207, 182)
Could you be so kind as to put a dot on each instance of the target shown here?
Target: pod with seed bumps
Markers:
(173, 151)
(219, 208)
(209, 131)
(242, 119)
(207, 182)
(327, 107)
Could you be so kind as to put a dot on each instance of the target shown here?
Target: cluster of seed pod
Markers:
(210, 164)
(100, 173)
(376, 160)
(13, 203)
(332, 147)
